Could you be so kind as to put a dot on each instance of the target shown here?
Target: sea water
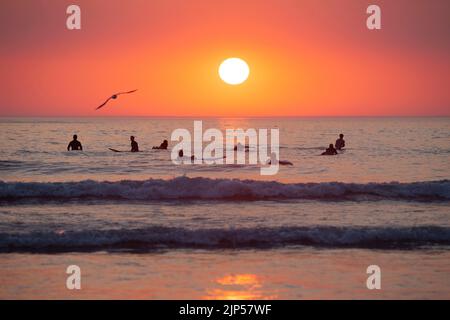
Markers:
(140, 226)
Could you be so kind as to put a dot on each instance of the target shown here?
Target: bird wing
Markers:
(101, 106)
(126, 92)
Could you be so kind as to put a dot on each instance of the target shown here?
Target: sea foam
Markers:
(162, 237)
(221, 189)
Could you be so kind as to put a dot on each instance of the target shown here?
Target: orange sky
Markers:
(307, 58)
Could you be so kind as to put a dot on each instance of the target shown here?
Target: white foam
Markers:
(222, 189)
(156, 237)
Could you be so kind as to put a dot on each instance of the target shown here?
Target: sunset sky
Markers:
(306, 58)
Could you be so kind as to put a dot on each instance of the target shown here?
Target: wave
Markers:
(185, 188)
(159, 237)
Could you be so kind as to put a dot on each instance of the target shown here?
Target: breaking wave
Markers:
(160, 237)
(221, 189)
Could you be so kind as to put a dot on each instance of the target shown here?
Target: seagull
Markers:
(114, 96)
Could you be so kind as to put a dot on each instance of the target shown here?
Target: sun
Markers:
(234, 71)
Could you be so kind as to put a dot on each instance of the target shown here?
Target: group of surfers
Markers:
(330, 151)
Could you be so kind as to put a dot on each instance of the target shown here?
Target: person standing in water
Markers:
(340, 143)
(134, 145)
(74, 144)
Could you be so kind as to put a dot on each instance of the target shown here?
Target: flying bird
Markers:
(114, 96)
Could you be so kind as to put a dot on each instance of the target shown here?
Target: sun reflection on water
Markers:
(238, 287)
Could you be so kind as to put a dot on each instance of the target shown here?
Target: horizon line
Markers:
(224, 116)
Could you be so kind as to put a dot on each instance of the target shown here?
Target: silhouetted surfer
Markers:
(163, 145)
(240, 146)
(331, 151)
(340, 143)
(134, 145)
(181, 155)
(274, 160)
(74, 144)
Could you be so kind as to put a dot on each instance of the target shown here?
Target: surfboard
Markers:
(115, 150)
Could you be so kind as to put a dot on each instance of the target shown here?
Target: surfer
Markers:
(274, 160)
(134, 145)
(74, 144)
(181, 155)
(240, 146)
(340, 143)
(331, 151)
(162, 146)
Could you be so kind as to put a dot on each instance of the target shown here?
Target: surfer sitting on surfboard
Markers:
(163, 145)
(331, 151)
(134, 145)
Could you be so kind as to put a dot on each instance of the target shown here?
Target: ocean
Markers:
(139, 226)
